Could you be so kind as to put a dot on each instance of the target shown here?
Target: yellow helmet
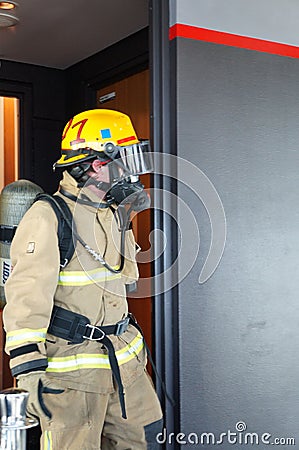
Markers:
(94, 134)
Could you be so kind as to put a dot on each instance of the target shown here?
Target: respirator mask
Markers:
(125, 166)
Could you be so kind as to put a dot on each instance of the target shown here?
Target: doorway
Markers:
(132, 96)
(9, 140)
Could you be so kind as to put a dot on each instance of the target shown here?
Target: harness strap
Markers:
(75, 328)
(7, 233)
(83, 201)
(116, 373)
(66, 226)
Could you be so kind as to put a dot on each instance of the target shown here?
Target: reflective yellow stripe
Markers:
(82, 278)
(97, 360)
(48, 443)
(23, 335)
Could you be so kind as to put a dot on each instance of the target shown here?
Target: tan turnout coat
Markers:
(84, 286)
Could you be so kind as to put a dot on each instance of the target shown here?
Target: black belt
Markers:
(75, 328)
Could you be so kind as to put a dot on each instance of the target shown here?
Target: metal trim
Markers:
(163, 116)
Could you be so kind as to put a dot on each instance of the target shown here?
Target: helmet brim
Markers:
(64, 161)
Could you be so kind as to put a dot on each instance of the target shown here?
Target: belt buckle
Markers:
(93, 330)
(122, 326)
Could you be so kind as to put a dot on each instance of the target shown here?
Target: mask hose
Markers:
(123, 222)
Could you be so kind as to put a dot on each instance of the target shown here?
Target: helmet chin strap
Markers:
(79, 173)
(100, 185)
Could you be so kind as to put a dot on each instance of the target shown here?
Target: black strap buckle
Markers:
(121, 326)
(91, 333)
(7, 233)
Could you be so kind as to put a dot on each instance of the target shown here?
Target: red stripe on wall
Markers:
(233, 40)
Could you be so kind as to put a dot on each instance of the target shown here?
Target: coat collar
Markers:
(69, 184)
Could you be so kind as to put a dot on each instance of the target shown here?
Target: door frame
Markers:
(26, 152)
(163, 139)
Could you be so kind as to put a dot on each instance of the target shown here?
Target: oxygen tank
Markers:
(15, 199)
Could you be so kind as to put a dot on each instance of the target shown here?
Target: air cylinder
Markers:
(15, 199)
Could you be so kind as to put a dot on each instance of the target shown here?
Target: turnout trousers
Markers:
(87, 421)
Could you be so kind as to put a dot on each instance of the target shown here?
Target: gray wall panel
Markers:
(272, 20)
(238, 122)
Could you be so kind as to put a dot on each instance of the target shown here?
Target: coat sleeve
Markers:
(30, 288)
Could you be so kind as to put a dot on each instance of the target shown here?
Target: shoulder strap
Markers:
(66, 239)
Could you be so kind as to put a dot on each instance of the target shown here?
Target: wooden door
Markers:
(132, 96)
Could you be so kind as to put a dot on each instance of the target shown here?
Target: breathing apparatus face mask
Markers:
(125, 166)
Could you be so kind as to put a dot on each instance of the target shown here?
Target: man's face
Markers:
(99, 173)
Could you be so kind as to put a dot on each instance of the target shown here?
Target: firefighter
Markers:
(72, 342)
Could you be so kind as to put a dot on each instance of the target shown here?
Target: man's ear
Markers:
(96, 165)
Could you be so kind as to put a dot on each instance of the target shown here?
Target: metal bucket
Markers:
(13, 420)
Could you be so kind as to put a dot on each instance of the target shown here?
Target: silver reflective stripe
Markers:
(82, 278)
(24, 335)
(95, 361)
